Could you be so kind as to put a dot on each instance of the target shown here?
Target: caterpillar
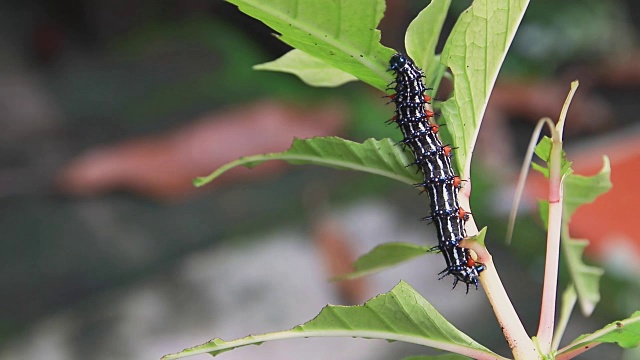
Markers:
(434, 161)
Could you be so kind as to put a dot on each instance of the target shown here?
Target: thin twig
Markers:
(524, 171)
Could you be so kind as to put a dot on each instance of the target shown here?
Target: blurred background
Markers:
(111, 108)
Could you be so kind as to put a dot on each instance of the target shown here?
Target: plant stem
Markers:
(519, 341)
(554, 227)
(549, 288)
(521, 345)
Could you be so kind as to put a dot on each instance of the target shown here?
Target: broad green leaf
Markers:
(624, 332)
(474, 52)
(341, 33)
(578, 190)
(383, 256)
(399, 315)
(381, 157)
(422, 37)
(309, 69)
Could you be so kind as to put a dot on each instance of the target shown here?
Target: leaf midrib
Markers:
(317, 33)
(368, 334)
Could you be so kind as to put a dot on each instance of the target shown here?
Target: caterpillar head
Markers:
(397, 62)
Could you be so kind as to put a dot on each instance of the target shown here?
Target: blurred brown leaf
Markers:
(162, 167)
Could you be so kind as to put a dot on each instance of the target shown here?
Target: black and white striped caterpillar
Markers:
(434, 160)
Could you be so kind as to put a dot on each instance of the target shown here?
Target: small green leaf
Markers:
(340, 33)
(383, 256)
(624, 332)
(400, 315)
(309, 69)
(543, 151)
(377, 157)
(586, 278)
(422, 37)
(474, 52)
(479, 237)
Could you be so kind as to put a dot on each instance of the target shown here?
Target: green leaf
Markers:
(543, 151)
(586, 278)
(474, 52)
(309, 69)
(580, 190)
(383, 256)
(624, 332)
(377, 157)
(422, 37)
(480, 236)
(340, 33)
(400, 315)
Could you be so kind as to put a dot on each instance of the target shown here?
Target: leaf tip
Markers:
(199, 181)
(480, 236)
